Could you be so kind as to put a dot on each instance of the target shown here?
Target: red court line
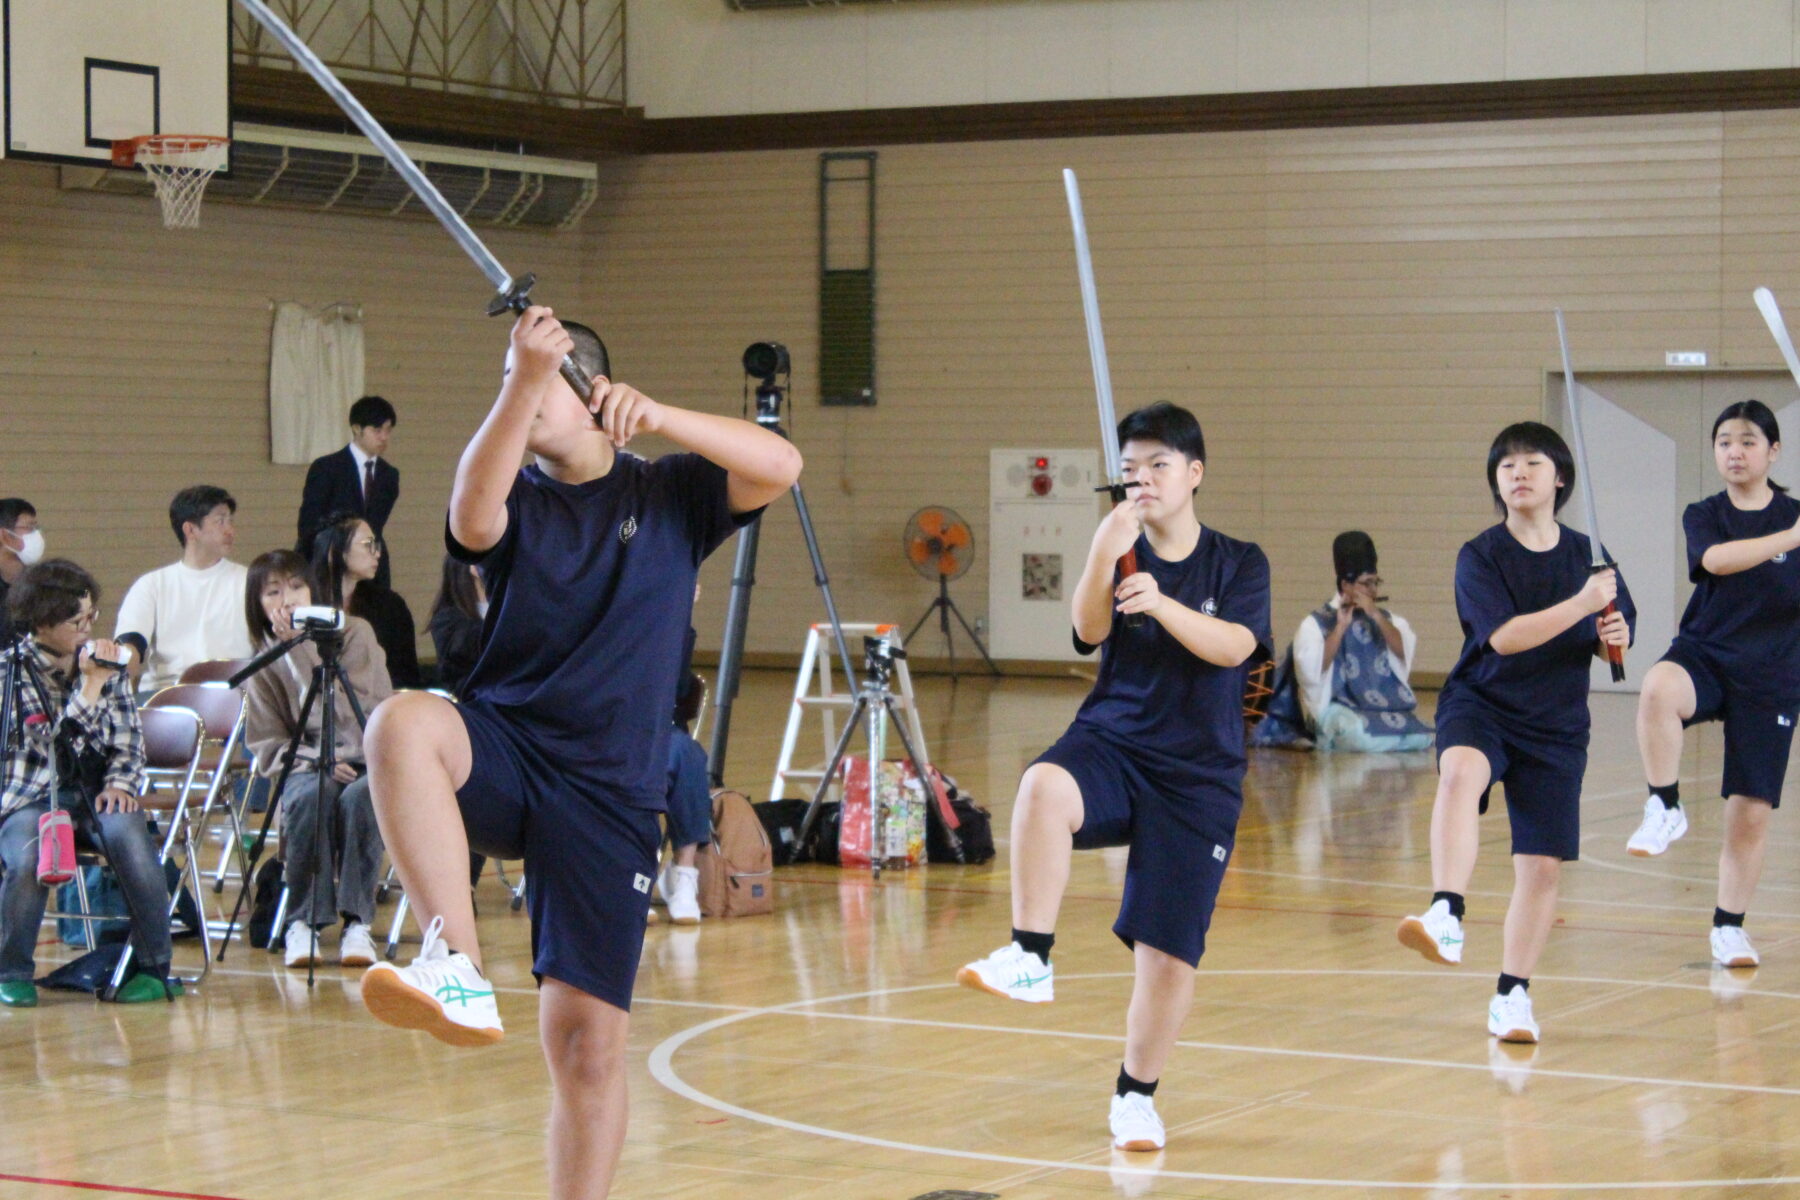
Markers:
(117, 1189)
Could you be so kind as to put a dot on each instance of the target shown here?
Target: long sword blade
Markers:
(1771, 314)
(1090, 307)
(1584, 478)
(512, 293)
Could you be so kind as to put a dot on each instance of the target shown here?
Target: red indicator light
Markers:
(1040, 485)
(1041, 463)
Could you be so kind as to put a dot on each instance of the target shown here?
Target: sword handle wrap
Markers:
(1615, 655)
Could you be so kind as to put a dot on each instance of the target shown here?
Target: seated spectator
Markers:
(1348, 668)
(192, 610)
(63, 681)
(357, 480)
(345, 558)
(21, 544)
(279, 582)
(690, 798)
(456, 618)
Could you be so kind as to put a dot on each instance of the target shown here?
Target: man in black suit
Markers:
(355, 480)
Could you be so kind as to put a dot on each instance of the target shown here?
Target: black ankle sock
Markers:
(1454, 899)
(1128, 1084)
(1035, 943)
(1509, 982)
(1721, 917)
(1668, 793)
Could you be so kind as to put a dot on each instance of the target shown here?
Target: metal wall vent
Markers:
(297, 168)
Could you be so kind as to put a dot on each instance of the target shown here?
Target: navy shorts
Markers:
(1542, 778)
(588, 860)
(1180, 842)
(1758, 734)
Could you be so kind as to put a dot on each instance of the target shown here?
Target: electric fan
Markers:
(940, 545)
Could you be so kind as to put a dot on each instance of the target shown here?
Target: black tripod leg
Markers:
(919, 768)
(974, 637)
(262, 834)
(923, 617)
(824, 584)
(731, 653)
(837, 756)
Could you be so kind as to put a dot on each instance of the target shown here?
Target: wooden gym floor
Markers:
(824, 1052)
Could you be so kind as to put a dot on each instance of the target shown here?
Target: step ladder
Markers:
(815, 672)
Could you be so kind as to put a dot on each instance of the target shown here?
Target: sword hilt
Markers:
(1615, 655)
(516, 298)
(1128, 564)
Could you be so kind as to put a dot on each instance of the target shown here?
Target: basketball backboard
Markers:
(80, 73)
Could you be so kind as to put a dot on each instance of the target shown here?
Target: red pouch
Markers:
(56, 848)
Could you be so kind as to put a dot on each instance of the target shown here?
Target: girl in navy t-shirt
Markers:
(1514, 710)
(1736, 658)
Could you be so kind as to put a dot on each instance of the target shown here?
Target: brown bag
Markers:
(737, 868)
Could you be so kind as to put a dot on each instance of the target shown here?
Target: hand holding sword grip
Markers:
(1128, 566)
(1615, 655)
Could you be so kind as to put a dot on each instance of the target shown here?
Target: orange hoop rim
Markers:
(125, 151)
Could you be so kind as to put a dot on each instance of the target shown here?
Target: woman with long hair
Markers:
(346, 557)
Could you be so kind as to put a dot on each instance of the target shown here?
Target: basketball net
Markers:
(179, 166)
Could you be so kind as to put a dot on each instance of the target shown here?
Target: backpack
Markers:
(737, 868)
(265, 896)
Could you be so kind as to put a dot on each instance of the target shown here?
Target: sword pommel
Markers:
(515, 297)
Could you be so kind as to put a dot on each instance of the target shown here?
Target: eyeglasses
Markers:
(371, 544)
(82, 622)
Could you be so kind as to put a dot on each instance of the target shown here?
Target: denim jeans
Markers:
(690, 799)
(22, 900)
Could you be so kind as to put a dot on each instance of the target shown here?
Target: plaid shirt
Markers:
(110, 726)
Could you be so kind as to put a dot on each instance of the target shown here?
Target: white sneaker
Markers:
(1435, 934)
(1509, 1016)
(439, 992)
(356, 948)
(1731, 947)
(302, 942)
(1012, 972)
(684, 895)
(1661, 827)
(1135, 1125)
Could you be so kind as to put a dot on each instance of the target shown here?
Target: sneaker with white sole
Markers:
(439, 992)
(1135, 1125)
(1435, 933)
(1013, 972)
(683, 895)
(356, 948)
(1509, 1017)
(1731, 947)
(1662, 827)
(302, 944)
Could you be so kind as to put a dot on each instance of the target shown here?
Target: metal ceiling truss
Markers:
(568, 53)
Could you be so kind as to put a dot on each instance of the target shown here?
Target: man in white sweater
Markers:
(193, 610)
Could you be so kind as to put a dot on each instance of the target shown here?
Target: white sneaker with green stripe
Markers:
(439, 992)
(1013, 972)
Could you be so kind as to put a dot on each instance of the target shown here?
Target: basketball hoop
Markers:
(179, 165)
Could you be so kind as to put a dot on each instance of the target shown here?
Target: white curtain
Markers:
(315, 374)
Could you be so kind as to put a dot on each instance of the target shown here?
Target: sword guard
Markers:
(514, 298)
(1117, 490)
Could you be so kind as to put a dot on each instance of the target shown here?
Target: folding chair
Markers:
(221, 711)
(173, 746)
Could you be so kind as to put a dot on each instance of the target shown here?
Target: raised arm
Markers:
(1528, 631)
(759, 464)
(489, 464)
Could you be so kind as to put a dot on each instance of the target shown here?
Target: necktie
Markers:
(368, 481)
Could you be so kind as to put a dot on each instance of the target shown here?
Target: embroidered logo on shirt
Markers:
(1785, 722)
(1782, 557)
(628, 529)
(1211, 607)
(642, 884)
(1219, 853)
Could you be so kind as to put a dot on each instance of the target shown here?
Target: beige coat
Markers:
(273, 695)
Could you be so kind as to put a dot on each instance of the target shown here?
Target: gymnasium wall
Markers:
(1352, 312)
(699, 58)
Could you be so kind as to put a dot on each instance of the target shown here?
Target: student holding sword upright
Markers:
(1155, 757)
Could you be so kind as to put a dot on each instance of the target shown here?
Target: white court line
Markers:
(662, 1069)
(1664, 875)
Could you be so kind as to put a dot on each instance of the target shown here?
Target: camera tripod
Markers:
(327, 677)
(875, 704)
(743, 578)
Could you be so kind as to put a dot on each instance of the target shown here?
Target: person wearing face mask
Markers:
(336, 876)
(346, 559)
(190, 611)
(21, 544)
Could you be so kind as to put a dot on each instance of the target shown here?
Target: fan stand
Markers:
(943, 606)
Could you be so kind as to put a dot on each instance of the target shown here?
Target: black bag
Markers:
(975, 830)
(781, 821)
(265, 894)
(94, 970)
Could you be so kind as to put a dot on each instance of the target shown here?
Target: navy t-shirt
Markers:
(590, 593)
(1747, 623)
(1539, 694)
(1181, 716)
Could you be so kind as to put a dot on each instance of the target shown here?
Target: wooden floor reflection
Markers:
(824, 1052)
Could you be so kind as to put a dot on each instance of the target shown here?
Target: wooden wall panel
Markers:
(1352, 312)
